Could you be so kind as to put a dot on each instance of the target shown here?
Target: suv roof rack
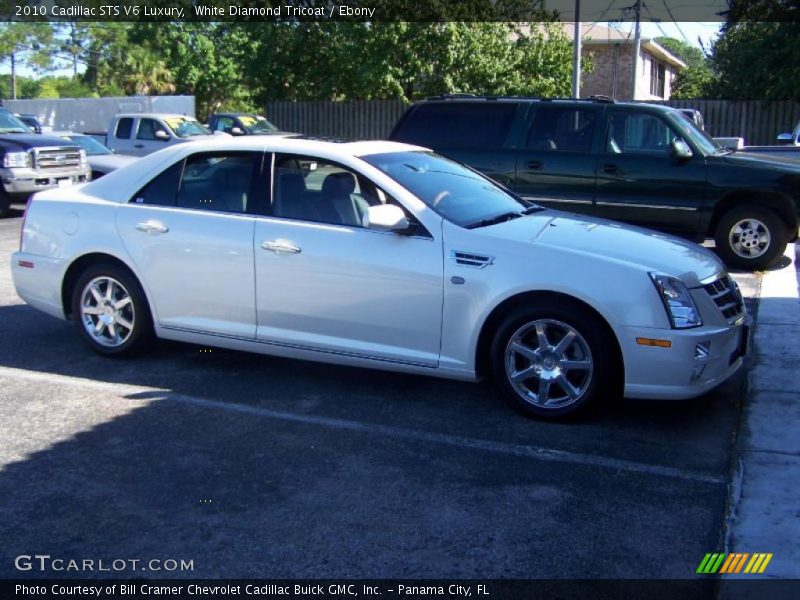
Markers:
(602, 98)
(461, 96)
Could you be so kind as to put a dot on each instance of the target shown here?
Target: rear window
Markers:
(467, 124)
(124, 127)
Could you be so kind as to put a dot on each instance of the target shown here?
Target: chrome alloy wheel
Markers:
(107, 311)
(548, 363)
(749, 238)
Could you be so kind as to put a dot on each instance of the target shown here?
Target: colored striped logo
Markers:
(734, 563)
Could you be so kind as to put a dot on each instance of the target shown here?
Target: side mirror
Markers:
(161, 135)
(237, 131)
(386, 217)
(679, 149)
(785, 138)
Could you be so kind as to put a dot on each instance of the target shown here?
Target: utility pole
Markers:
(13, 74)
(637, 46)
(576, 53)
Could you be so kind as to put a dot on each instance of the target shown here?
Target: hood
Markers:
(26, 141)
(765, 160)
(645, 248)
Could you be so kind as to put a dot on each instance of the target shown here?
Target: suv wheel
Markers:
(551, 362)
(110, 311)
(750, 237)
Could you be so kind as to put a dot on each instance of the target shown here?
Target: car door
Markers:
(146, 140)
(556, 165)
(190, 234)
(122, 141)
(326, 283)
(638, 180)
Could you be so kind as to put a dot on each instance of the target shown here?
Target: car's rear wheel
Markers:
(552, 362)
(750, 237)
(110, 311)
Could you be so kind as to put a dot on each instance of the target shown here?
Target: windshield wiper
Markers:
(501, 218)
(533, 208)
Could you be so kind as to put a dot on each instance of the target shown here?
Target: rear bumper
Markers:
(683, 370)
(37, 280)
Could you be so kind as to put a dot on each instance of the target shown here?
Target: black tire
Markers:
(131, 326)
(592, 342)
(5, 203)
(750, 237)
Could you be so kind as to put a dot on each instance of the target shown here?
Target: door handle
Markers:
(152, 227)
(535, 164)
(280, 247)
(609, 169)
(138, 145)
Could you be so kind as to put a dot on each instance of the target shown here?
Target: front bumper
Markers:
(697, 361)
(19, 183)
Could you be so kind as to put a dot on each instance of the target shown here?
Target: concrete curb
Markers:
(765, 514)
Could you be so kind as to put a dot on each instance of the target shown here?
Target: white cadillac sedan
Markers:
(381, 255)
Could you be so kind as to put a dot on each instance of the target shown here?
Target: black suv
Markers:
(640, 163)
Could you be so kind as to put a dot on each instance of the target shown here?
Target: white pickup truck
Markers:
(142, 133)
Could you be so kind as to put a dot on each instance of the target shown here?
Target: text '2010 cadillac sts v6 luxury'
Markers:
(382, 255)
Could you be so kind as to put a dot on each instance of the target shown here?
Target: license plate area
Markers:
(62, 183)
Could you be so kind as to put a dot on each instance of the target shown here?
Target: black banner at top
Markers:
(396, 10)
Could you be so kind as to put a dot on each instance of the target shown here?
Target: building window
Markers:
(657, 75)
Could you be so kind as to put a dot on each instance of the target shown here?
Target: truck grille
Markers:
(56, 158)
(726, 295)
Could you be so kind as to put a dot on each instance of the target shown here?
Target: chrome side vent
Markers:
(468, 259)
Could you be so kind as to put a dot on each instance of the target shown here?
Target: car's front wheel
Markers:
(110, 311)
(750, 238)
(553, 361)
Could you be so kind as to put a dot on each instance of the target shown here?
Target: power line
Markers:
(671, 16)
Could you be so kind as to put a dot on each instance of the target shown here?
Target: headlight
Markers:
(17, 159)
(677, 301)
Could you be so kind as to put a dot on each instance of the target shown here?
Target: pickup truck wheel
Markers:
(551, 362)
(110, 311)
(750, 237)
(5, 204)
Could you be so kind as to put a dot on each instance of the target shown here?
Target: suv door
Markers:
(556, 164)
(639, 181)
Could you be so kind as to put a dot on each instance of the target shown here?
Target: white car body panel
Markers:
(369, 298)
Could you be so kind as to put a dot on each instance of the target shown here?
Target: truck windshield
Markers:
(183, 127)
(11, 124)
(457, 193)
(693, 133)
(257, 124)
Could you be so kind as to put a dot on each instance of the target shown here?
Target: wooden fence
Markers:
(756, 121)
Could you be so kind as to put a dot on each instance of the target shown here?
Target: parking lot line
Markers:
(520, 450)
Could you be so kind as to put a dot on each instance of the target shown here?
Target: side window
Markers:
(460, 124)
(161, 191)
(313, 189)
(224, 124)
(147, 129)
(124, 127)
(562, 128)
(218, 182)
(638, 133)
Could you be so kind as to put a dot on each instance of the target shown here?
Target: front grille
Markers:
(725, 294)
(56, 158)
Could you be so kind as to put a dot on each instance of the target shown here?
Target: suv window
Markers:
(562, 128)
(124, 127)
(458, 124)
(224, 124)
(314, 189)
(637, 133)
(147, 129)
(161, 190)
(218, 182)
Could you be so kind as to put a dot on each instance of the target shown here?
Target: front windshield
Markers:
(184, 127)
(257, 124)
(692, 132)
(457, 193)
(91, 145)
(11, 124)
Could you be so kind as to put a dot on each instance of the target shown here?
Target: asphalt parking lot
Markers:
(252, 466)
